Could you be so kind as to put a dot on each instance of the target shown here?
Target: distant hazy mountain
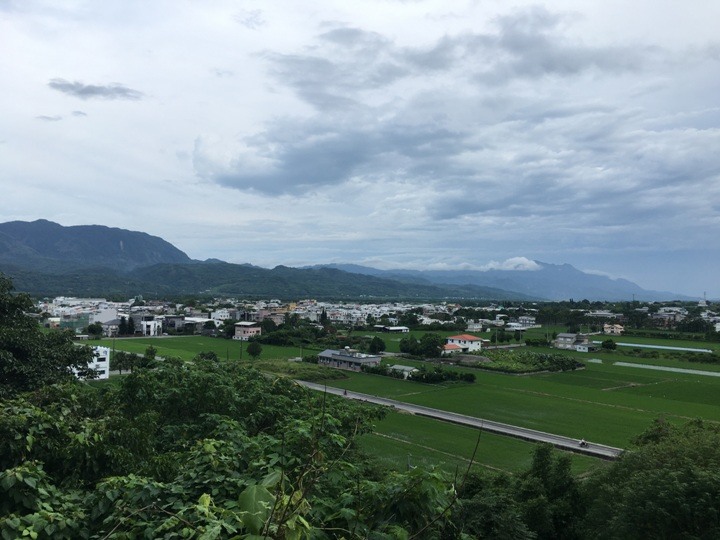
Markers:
(44, 258)
(550, 281)
(46, 246)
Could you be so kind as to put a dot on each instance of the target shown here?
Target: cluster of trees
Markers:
(438, 375)
(428, 346)
(30, 358)
(423, 375)
(502, 336)
(126, 326)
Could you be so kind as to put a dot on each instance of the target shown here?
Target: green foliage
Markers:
(95, 329)
(428, 346)
(29, 358)
(256, 459)
(524, 361)
(549, 496)
(609, 345)
(377, 345)
(124, 361)
(254, 349)
(667, 487)
(488, 509)
(32, 506)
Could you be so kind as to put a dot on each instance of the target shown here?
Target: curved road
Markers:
(565, 443)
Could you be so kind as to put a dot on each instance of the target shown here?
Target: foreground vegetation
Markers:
(214, 448)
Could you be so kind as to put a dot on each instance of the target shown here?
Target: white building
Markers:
(462, 343)
(101, 364)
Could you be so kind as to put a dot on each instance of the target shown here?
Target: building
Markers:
(405, 370)
(571, 341)
(613, 329)
(462, 343)
(101, 364)
(244, 330)
(347, 358)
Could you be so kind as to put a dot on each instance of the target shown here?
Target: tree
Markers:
(95, 329)
(131, 326)
(548, 496)
(377, 345)
(254, 349)
(409, 318)
(431, 345)
(410, 345)
(609, 345)
(323, 317)
(227, 330)
(268, 325)
(123, 326)
(30, 359)
(207, 356)
(667, 487)
(209, 325)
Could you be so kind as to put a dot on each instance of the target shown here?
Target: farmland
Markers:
(605, 403)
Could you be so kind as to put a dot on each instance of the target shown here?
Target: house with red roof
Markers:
(462, 343)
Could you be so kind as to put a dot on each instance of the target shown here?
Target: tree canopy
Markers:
(29, 358)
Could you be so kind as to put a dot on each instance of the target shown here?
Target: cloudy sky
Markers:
(390, 133)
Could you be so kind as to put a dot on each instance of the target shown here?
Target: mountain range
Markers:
(45, 258)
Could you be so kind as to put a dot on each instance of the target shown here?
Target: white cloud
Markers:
(514, 263)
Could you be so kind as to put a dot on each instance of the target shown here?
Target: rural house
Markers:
(244, 330)
(570, 341)
(462, 343)
(347, 358)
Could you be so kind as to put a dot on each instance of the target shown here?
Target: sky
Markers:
(388, 133)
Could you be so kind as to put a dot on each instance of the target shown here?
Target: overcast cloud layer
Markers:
(420, 134)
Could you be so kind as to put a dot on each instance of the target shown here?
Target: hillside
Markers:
(45, 258)
(51, 248)
(225, 279)
(551, 281)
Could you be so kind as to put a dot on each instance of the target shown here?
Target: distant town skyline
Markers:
(388, 133)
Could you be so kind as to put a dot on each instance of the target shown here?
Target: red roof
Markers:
(464, 337)
(451, 347)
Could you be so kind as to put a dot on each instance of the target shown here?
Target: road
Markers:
(559, 441)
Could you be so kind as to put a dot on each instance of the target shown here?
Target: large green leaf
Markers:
(255, 503)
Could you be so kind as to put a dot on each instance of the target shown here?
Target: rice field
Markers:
(604, 403)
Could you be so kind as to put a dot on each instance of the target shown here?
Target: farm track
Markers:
(559, 441)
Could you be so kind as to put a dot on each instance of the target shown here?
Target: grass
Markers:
(401, 439)
(187, 347)
(602, 403)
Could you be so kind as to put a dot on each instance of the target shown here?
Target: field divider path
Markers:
(559, 441)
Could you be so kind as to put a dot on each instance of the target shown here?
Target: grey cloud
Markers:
(529, 44)
(534, 160)
(91, 91)
(45, 118)
(307, 156)
(79, 113)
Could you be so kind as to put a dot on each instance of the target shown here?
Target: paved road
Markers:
(565, 443)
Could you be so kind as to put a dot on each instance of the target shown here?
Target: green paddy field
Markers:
(604, 403)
